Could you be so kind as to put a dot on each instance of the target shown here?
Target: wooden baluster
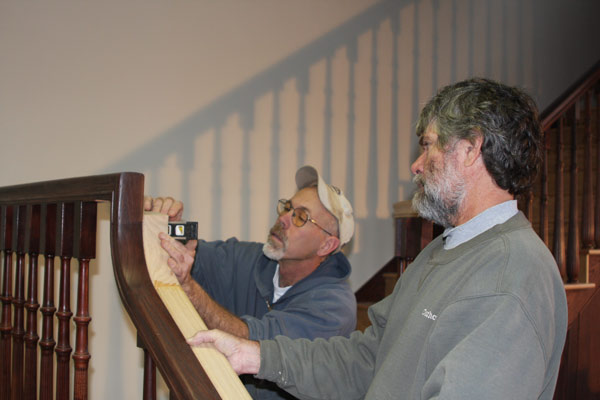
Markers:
(544, 194)
(18, 331)
(65, 252)
(149, 384)
(587, 208)
(85, 250)
(559, 206)
(48, 309)
(5, 326)
(149, 377)
(597, 201)
(527, 204)
(573, 242)
(32, 305)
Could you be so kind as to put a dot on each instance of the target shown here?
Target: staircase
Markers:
(564, 209)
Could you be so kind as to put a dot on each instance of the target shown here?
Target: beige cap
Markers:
(332, 198)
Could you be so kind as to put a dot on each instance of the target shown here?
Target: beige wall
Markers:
(219, 102)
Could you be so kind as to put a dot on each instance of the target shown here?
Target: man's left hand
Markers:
(181, 257)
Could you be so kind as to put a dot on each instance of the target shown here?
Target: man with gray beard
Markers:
(481, 312)
(295, 284)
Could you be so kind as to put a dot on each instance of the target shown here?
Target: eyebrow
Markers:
(427, 137)
(302, 207)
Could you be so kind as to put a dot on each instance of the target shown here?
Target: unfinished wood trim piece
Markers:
(216, 366)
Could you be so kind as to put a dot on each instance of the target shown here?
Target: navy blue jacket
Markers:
(239, 276)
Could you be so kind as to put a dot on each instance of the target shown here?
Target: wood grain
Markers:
(216, 366)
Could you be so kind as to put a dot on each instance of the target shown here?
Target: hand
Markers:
(167, 205)
(242, 354)
(181, 257)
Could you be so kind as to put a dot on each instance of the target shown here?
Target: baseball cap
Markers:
(332, 198)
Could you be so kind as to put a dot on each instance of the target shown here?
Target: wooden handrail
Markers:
(174, 357)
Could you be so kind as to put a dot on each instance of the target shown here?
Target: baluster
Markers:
(5, 327)
(85, 250)
(65, 252)
(32, 305)
(527, 204)
(597, 201)
(544, 194)
(587, 217)
(559, 207)
(573, 243)
(18, 331)
(149, 385)
(48, 309)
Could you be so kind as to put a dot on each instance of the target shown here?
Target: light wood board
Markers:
(216, 366)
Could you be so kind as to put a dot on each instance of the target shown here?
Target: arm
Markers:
(214, 315)
(338, 368)
(325, 311)
(181, 261)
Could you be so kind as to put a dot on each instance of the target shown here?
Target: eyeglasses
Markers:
(299, 215)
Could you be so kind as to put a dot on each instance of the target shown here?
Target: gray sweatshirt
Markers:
(484, 320)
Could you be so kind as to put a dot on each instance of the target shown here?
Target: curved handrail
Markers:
(174, 357)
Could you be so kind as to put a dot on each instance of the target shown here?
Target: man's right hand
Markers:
(166, 205)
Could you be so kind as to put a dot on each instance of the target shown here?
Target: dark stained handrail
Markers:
(174, 358)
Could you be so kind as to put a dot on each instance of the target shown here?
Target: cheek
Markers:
(430, 169)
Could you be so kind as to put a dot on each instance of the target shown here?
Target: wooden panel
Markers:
(588, 368)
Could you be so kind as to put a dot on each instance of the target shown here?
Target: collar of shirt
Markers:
(480, 223)
(278, 291)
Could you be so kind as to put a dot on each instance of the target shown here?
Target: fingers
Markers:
(191, 246)
(148, 203)
(166, 205)
(176, 249)
(180, 259)
(242, 354)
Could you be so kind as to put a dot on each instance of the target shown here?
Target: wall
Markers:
(218, 103)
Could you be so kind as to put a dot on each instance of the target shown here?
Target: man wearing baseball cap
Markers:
(295, 284)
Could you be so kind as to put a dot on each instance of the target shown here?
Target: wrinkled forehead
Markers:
(308, 198)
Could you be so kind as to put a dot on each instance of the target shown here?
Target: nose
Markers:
(285, 219)
(417, 166)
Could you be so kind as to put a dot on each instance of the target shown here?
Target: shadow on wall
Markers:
(345, 103)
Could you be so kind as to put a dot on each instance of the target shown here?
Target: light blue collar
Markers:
(480, 223)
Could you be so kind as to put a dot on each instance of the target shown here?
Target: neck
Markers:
(293, 271)
(483, 195)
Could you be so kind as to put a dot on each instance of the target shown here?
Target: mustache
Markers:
(277, 230)
(419, 179)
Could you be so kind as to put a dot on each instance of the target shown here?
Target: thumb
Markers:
(202, 337)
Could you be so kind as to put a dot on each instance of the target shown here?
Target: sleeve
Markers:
(327, 311)
(479, 348)
(218, 270)
(334, 368)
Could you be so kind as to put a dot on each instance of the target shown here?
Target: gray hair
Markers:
(505, 117)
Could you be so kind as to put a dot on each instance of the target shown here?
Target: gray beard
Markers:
(439, 201)
(273, 252)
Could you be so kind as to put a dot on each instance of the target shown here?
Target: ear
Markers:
(473, 150)
(328, 246)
